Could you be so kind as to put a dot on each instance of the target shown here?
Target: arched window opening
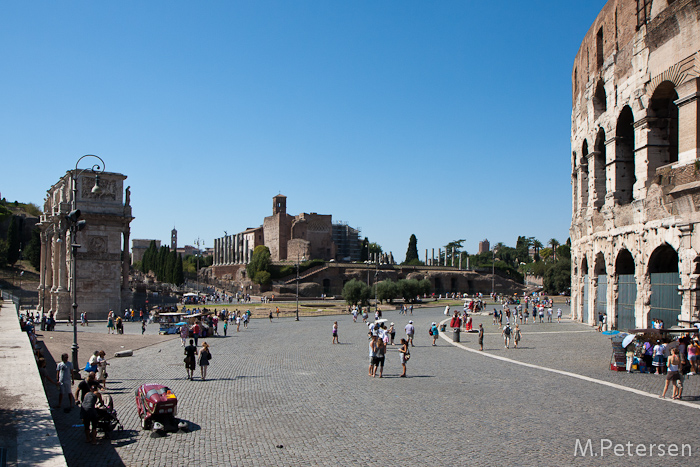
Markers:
(626, 291)
(663, 126)
(599, 100)
(599, 175)
(665, 300)
(624, 155)
(601, 297)
(586, 285)
(599, 48)
(624, 263)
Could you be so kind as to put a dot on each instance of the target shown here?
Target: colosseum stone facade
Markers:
(635, 227)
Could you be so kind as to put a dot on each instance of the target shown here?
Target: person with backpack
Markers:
(434, 332)
(506, 336)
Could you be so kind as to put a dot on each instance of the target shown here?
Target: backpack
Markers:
(506, 331)
(430, 331)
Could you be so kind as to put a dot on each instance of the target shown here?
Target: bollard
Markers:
(455, 334)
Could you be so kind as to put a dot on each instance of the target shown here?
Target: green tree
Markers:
(375, 249)
(554, 243)
(3, 252)
(14, 240)
(355, 292)
(170, 262)
(386, 290)
(33, 250)
(537, 245)
(259, 262)
(364, 250)
(557, 278)
(457, 246)
(412, 251)
(409, 289)
(179, 276)
(262, 277)
(149, 258)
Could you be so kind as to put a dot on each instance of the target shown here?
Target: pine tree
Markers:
(412, 252)
(13, 240)
(169, 275)
(33, 250)
(179, 277)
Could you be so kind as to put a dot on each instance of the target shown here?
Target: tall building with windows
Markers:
(635, 163)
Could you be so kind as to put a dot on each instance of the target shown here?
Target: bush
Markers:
(262, 278)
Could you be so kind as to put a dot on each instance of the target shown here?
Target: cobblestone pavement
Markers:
(284, 384)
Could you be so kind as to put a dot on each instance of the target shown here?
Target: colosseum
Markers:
(636, 165)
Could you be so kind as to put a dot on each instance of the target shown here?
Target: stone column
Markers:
(432, 256)
(616, 172)
(688, 116)
(247, 252)
(440, 256)
(460, 262)
(125, 260)
(44, 260)
(216, 252)
(426, 256)
(453, 256)
(596, 186)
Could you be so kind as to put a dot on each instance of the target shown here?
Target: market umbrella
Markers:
(181, 323)
(383, 320)
(611, 333)
(628, 340)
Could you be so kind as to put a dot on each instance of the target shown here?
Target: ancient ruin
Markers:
(635, 169)
(102, 258)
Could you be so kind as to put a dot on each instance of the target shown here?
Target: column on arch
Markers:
(688, 116)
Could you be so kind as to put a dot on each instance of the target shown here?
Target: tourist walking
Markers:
(434, 332)
(404, 355)
(102, 368)
(110, 322)
(558, 315)
(184, 334)
(392, 333)
(658, 362)
(88, 413)
(372, 354)
(481, 337)
(517, 335)
(190, 359)
(64, 376)
(335, 333)
(506, 336)
(381, 353)
(204, 357)
(410, 331)
(674, 375)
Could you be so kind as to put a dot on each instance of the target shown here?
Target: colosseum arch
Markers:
(663, 125)
(586, 287)
(584, 176)
(626, 290)
(600, 104)
(625, 177)
(665, 300)
(574, 183)
(599, 175)
(601, 295)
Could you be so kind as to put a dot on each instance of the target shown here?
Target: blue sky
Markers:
(449, 120)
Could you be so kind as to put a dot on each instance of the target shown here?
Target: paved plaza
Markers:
(284, 384)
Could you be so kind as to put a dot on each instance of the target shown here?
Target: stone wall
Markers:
(634, 159)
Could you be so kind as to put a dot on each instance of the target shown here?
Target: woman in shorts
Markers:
(674, 375)
(335, 333)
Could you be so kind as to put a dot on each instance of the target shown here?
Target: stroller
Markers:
(107, 420)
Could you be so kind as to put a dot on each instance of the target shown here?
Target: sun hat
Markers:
(410, 322)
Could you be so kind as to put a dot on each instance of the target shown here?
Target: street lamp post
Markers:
(75, 226)
(493, 271)
(304, 258)
(197, 242)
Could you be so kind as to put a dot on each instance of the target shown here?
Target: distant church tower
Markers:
(279, 205)
(173, 240)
